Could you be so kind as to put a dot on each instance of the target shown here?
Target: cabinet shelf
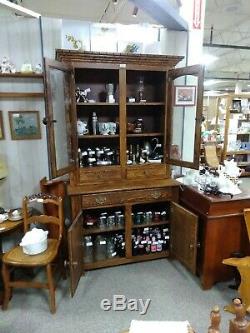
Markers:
(145, 225)
(98, 136)
(97, 104)
(133, 135)
(93, 231)
(21, 95)
(239, 152)
(146, 103)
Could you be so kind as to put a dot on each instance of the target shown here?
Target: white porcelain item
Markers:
(82, 127)
(35, 241)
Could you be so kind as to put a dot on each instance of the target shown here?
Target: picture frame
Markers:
(185, 95)
(236, 105)
(2, 137)
(24, 125)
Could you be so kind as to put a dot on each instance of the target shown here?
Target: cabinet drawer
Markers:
(148, 195)
(143, 171)
(98, 174)
(102, 199)
(126, 197)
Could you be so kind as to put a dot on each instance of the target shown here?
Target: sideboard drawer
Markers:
(126, 197)
(102, 199)
(148, 195)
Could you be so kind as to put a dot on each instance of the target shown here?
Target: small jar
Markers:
(138, 125)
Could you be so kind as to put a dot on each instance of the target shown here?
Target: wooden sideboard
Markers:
(221, 231)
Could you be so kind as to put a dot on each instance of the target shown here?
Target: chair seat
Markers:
(237, 262)
(17, 257)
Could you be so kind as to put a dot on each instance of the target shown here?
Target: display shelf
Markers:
(141, 135)
(152, 224)
(93, 231)
(21, 95)
(238, 152)
(146, 104)
(22, 75)
(98, 136)
(96, 104)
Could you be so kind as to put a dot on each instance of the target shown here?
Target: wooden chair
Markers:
(243, 266)
(17, 258)
(239, 324)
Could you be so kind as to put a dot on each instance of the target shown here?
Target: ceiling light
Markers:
(135, 11)
(207, 59)
(115, 2)
(19, 9)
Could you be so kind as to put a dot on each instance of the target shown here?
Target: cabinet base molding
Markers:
(122, 261)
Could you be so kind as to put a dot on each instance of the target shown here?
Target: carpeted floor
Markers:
(174, 292)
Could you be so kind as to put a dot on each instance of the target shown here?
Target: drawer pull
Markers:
(156, 194)
(100, 200)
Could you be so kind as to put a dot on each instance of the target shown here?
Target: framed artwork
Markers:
(1, 126)
(236, 104)
(185, 95)
(24, 125)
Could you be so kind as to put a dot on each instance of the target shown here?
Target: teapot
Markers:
(82, 127)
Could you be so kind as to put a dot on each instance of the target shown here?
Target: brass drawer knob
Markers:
(156, 194)
(100, 200)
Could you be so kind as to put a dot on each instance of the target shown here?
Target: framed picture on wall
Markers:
(185, 95)
(24, 125)
(1, 126)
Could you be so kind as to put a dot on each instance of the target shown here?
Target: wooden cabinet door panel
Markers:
(184, 225)
(60, 117)
(75, 239)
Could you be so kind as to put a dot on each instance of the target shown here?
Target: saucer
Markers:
(3, 217)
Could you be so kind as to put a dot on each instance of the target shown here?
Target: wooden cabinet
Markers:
(122, 165)
(221, 231)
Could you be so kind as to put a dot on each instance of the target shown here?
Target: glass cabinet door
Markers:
(59, 117)
(185, 99)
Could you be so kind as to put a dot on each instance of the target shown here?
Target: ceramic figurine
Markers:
(12, 68)
(81, 95)
(38, 69)
(5, 65)
(26, 68)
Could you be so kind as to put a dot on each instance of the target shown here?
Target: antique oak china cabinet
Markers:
(116, 123)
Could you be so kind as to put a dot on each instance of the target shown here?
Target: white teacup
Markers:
(112, 128)
(103, 128)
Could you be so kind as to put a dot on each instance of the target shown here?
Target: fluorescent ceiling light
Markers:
(20, 9)
(207, 59)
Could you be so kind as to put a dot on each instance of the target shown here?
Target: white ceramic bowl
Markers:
(36, 248)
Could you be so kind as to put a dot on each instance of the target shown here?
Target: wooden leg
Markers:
(7, 289)
(52, 297)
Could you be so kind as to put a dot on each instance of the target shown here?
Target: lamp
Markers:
(135, 11)
(115, 2)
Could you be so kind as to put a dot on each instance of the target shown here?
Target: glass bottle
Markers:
(88, 249)
(141, 89)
